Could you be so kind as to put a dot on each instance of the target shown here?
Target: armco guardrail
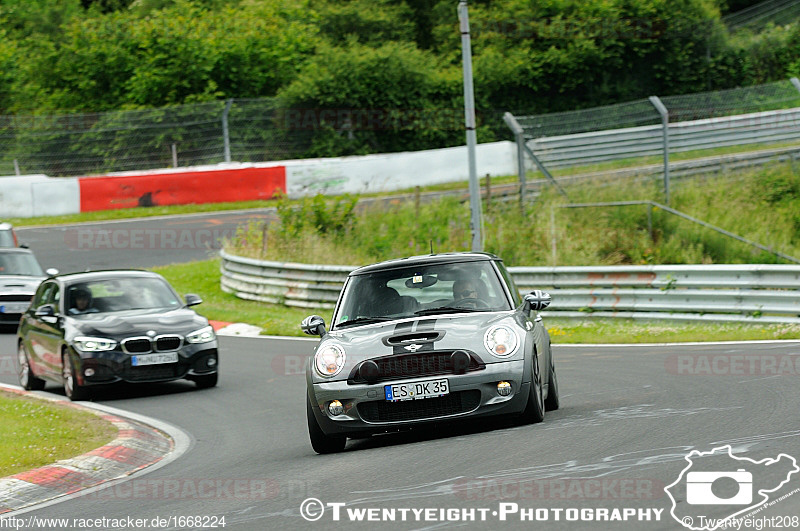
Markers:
(599, 146)
(756, 293)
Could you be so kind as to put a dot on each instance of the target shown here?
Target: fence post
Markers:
(16, 167)
(662, 110)
(174, 155)
(519, 137)
(225, 134)
(796, 83)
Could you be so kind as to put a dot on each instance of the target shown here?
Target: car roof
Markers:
(4, 225)
(427, 259)
(86, 276)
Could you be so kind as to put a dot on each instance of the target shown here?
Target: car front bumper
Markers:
(115, 366)
(471, 395)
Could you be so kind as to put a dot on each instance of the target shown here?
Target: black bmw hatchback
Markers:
(103, 327)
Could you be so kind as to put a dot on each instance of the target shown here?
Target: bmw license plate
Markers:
(14, 307)
(416, 390)
(154, 359)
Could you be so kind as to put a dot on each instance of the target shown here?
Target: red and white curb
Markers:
(141, 443)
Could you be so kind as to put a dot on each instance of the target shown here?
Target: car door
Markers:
(43, 332)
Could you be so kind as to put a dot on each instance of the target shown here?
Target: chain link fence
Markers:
(708, 123)
(257, 130)
(184, 135)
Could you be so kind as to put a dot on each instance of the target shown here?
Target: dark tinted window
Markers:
(126, 293)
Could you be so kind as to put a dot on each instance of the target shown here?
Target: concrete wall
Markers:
(38, 195)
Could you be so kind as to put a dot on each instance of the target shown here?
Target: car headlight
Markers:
(204, 335)
(501, 341)
(329, 360)
(94, 344)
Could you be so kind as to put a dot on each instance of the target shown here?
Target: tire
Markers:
(551, 404)
(27, 380)
(321, 443)
(534, 409)
(206, 381)
(72, 389)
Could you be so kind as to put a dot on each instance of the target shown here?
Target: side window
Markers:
(48, 295)
(41, 294)
(512, 287)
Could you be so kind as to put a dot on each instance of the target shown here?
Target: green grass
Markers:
(36, 432)
(594, 330)
(203, 278)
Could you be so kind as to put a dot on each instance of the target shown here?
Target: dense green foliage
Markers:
(761, 205)
(396, 64)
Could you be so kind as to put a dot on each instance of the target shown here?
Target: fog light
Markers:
(212, 362)
(335, 408)
(88, 372)
(503, 388)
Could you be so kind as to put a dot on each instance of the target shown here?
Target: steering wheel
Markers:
(477, 303)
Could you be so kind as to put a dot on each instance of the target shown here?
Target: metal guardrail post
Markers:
(226, 139)
(796, 83)
(662, 110)
(519, 137)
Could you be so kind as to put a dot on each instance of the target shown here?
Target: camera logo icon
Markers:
(699, 488)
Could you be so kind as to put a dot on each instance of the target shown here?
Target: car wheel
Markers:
(27, 380)
(205, 381)
(72, 389)
(552, 393)
(534, 409)
(321, 443)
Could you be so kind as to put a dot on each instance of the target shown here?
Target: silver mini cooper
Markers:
(427, 339)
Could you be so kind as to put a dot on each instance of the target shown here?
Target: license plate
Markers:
(14, 307)
(416, 390)
(154, 359)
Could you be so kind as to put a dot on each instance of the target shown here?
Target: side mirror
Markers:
(313, 325)
(51, 272)
(537, 300)
(192, 299)
(44, 311)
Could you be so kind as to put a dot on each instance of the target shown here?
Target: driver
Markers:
(465, 289)
(81, 302)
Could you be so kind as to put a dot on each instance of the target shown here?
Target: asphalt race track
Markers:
(629, 415)
(137, 243)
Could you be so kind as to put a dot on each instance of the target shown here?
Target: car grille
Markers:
(419, 364)
(427, 408)
(143, 345)
(154, 372)
(166, 343)
(137, 346)
(17, 297)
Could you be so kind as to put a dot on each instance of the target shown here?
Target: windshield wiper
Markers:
(363, 320)
(446, 309)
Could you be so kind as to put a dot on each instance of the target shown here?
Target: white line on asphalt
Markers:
(183, 442)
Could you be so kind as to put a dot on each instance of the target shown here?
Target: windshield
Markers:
(7, 238)
(20, 264)
(120, 294)
(421, 290)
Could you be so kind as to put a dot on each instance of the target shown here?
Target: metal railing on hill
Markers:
(738, 293)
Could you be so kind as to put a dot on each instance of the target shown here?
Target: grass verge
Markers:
(37, 432)
(203, 278)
